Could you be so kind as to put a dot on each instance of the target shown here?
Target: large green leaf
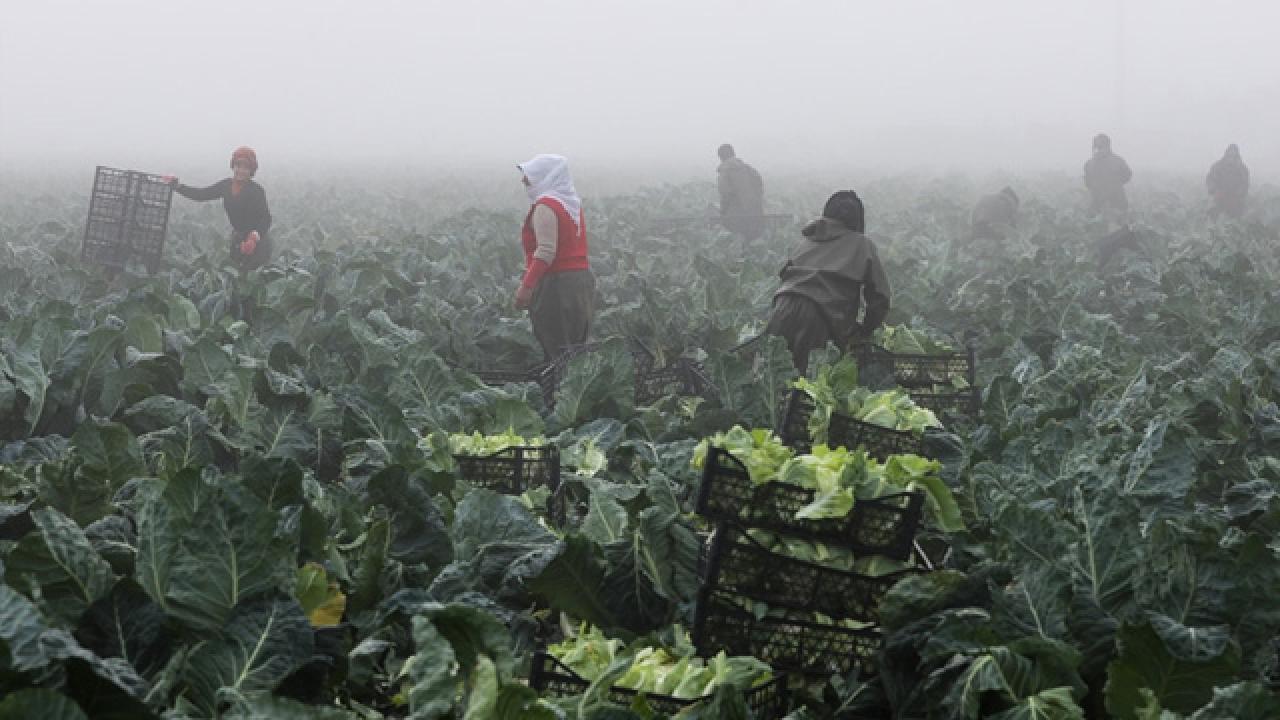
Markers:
(434, 682)
(20, 628)
(58, 559)
(1242, 701)
(128, 624)
(1180, 665)
(261, 644)
(574, 583)
(202, 552)
(1052, 704)
(418, 532)
(40, 703)
(31, 378)
(596, 384)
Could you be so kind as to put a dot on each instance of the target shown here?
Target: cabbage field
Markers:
(238, 497)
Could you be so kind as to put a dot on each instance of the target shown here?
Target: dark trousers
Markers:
(800, 322)
(561, 311)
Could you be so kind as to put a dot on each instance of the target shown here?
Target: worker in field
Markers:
(741, 195)
(558, 288)
(995, 215)
(246, 205)
(1228, 184)
(831, 274)
(1105, 175)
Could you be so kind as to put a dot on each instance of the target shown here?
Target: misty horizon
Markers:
(824, 87)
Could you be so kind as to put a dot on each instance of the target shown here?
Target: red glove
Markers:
(250, 243)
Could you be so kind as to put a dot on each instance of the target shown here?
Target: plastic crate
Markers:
(881, 526)
(842, 431)
(739, 566)
(789, 646)
(951, 408)
(513, 470)
(915, 371)
(682, 377)
(552, 678)
(128, 218)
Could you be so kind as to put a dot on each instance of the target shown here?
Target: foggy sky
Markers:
(985, 85)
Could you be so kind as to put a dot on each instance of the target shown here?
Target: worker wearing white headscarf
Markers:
(558, 288)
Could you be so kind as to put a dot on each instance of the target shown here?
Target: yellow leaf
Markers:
(329, 613)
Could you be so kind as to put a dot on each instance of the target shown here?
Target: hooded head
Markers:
(1233, 152)
(1101, 143)
(1013, 196)
(845, 207)
(245, 153)
(548, 176)
(725, 151)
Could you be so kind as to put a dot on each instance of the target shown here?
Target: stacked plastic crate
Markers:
(128, 218)
(944, 383)
(798, 616)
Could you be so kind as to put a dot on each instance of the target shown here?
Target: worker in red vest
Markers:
(558, 288)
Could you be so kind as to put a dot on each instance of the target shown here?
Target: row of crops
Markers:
(252, 497)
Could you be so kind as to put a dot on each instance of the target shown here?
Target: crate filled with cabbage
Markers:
(833, 409)
(932, 371)
(667, 677)
(505, 463)
(838, 497)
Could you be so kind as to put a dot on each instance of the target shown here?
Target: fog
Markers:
(637, 87)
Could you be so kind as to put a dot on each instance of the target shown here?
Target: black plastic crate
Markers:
(513, 470)
(808, 648)
(739, 566)
(915, 371)
(881, 526)
(842, 431)
(128, 218)
(552, 678)
(951, 408)
(505, 377)
(681, 377)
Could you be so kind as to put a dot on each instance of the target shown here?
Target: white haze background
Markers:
(425, 88)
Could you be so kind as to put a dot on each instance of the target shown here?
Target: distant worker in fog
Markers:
(741, 195)
(558, 288)
(1106, 174)
(831, 274)
(245, 202)
(995, 215)
(1228, 184)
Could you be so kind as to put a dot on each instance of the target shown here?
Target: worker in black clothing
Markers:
(830, 273)
(246, 204)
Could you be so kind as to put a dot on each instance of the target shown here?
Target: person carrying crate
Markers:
(829, 275)
(558, 288)
(246, 205)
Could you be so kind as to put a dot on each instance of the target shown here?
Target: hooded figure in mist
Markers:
(741, 195)
(995, 215)
(558, 288)
(1228, 184)
(829, 274)
(1105, 174)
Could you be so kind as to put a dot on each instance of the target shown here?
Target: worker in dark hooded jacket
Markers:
(1228, 184)
(995, 215)
(741, 195)
(829, 274)
(1106, 174)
